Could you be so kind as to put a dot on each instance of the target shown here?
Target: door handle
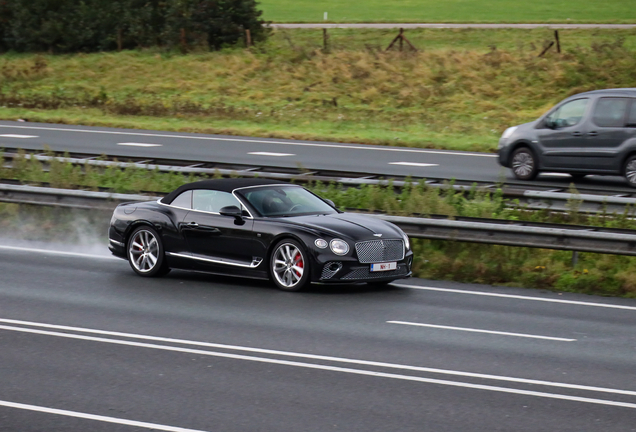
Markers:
(576, 134)
(191, 225)
(592, 134)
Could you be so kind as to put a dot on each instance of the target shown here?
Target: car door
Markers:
(562, 135)
(607, 132)
(214, 239)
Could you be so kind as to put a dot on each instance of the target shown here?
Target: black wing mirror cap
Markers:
(550, 124)
(233, 211)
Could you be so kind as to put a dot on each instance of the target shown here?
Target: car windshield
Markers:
(279, 201)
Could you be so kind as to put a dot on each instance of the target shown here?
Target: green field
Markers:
(459, 91)
(449, 11)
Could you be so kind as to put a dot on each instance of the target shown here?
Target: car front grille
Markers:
(376, 251)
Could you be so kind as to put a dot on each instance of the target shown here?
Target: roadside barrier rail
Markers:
(587, 201)
(498, 232)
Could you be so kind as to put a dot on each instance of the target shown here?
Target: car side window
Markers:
(610, 112)
(631, 118)
(184, 200)
(568, 114)
(213, 201)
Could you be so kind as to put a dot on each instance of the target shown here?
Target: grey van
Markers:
(588, 133)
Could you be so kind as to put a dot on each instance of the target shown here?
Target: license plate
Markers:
(383, 266)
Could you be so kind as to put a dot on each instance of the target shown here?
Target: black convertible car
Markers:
(261, 229)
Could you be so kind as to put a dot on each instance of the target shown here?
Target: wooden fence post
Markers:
(248, 38)
(325, 36)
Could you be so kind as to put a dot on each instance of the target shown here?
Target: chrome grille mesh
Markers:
(375, 251)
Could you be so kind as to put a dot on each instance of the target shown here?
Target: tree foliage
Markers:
(102, 25)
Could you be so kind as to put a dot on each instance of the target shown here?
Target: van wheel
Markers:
(524, 165)
(629, 171)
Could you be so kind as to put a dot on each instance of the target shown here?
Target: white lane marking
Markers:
(480, 293)
(481, 331)
(55, 252)
(95, 417)
(271, 154)
(301, 144)
(330, 368)
(134, 144)
(18, 136)
(417, 164)
(318, 357)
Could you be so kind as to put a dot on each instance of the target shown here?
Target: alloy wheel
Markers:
(288, 266)
(144, 251)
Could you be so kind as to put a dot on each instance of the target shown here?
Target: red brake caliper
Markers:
(298, 259)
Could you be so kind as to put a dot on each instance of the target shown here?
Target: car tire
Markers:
(629, 170)
(289, 266)
(145, 252)
(524, 164)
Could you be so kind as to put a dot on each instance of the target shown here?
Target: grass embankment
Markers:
(475, 263)
(450, 11)
(458, 92)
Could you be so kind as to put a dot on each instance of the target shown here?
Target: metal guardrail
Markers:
(508, 233)
(557, 200)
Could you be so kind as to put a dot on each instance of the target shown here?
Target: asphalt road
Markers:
(87, 345)
(263, 152)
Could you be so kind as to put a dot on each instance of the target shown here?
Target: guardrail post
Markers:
(575, 258)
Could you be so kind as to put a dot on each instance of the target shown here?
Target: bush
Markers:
(99, 25)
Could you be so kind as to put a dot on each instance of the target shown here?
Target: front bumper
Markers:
(503, 153)
(352, 271)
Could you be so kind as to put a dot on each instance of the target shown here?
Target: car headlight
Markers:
(321, 243)
(339, 247)
(508, 132)
(407, 243)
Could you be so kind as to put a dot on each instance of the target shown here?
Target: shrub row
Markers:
(65, 26)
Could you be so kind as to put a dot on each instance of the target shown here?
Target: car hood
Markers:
(348, 225)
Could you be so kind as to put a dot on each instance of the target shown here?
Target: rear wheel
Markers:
(629, 171)
(524, 164)
(145, 252)
(289, 266)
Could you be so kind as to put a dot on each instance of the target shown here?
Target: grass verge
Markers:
(459, 91)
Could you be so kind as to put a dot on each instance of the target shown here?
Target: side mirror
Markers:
(328, 201)
(232, 211)
(550, 124)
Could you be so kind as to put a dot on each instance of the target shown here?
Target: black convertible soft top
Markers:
(225, 185)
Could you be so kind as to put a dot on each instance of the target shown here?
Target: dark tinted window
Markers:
(631, 120)
(285, 201)
(184, 200)
(610, 112)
